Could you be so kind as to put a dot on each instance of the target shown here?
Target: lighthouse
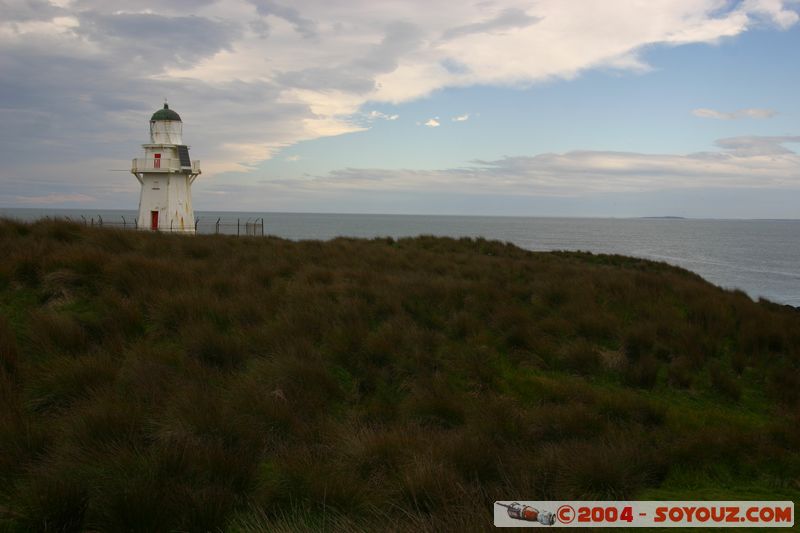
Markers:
(166, 174)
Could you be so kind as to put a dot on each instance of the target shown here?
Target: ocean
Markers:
(760, 257)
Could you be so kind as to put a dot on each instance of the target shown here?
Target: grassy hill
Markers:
(152, 382)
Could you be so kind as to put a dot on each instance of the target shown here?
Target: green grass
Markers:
(152, 382)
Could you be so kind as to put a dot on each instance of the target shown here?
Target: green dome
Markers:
(165, 114)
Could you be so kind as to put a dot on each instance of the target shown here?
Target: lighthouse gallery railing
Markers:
(161, 165)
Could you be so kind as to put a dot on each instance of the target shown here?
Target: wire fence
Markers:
(253, 227)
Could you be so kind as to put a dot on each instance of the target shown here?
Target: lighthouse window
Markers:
(155, 186)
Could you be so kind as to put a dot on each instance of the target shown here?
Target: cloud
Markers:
(53, 199)
(358, 75)
(383, 116)
(304, 26)
(507, 19)
(752, 146)
(251, 77)
(461, 118)
(742, 113)
(742, 162)
(747, 163)
(772, 12)
(154, 41)
(432, 122)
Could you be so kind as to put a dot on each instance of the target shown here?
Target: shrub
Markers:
(723, 381)
(715, 447)
(27, 269)
(624, 406)
(303, 518)
(639, 342)
(739, 362)
(8, 348)
(596, 325)
(56, 384)
(57, 332)
(612, 468)
(23, 438)
(304, 382)
(783, 384)
(427, 485)
(154, 382)
(514, 325)
(303, 476)
(106, 420)
(205, 343)
(54, 498)
(582, 358)
(473, 455)
(642, 373)
(462, 325)
(434, 405)
(377, 451)
(564, 422)
(131, 494)
(680, 372)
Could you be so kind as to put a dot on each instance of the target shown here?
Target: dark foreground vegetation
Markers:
(156, 383)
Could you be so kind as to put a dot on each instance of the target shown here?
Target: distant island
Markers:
(157, 382)
(667, 218)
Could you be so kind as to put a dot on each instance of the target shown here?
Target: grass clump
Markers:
(152, 383)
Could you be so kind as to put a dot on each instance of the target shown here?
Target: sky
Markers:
(616, 108)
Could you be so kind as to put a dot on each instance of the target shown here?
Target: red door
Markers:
(153, 220)
(156, 160)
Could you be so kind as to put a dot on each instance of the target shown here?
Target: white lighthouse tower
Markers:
(166, 174)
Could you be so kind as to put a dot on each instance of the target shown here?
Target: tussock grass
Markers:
(152, 382)
(9, 353)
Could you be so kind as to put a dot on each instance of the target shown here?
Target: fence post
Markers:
(100, 219)
(217, 230)
(196, 222)
(124, 223)
(92, 221)
(136, 222)
(237, 227)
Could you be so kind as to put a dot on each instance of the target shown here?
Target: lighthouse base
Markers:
(165, 203)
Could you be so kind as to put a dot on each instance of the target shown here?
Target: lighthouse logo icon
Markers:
(166, 173)
(517, 511)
